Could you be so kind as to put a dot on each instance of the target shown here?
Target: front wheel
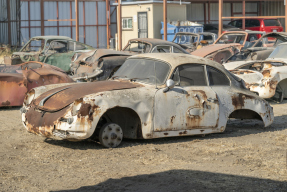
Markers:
(111, 135)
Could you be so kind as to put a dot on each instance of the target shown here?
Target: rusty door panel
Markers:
(186, 108)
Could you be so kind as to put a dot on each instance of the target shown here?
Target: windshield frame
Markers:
(144, 82)
(34, 39)
(234, 33)
(137, 41)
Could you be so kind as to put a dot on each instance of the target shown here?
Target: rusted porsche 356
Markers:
(267, 78)
(150, 96)
(228, 44)
(17, 80)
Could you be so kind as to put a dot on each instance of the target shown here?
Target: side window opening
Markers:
(190, 75)
(216, 77)
(162, 49)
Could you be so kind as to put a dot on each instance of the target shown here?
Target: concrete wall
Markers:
(132, 11)
(154, 16)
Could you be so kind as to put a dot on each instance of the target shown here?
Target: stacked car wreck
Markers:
(267, 78)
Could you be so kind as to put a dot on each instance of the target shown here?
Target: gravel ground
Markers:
(246, 157)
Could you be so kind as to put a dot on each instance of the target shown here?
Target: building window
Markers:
(127, 23)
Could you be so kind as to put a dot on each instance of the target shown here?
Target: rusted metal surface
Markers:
(262, 77)
(142, 110)
(221, 52)
(17, 80)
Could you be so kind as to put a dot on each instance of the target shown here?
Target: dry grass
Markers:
(5, 50)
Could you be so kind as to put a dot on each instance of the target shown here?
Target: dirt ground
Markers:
(246, 157)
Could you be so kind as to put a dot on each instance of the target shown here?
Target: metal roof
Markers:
(175, 59)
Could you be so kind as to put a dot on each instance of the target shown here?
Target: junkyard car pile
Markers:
(141, 92)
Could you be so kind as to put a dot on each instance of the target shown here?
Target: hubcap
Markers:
(111, 135)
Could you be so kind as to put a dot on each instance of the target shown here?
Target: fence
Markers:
(54, 19)
(10, 22)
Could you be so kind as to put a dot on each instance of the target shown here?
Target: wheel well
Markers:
(245, 114)
(283, 85)
(126, 118)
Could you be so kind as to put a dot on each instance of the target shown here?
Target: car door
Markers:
(60, 52)
(191, 104)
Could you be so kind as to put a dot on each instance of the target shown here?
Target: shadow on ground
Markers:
(185, 180)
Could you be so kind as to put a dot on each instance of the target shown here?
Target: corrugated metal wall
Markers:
(195, 11)
(92, 21)
(274, 8)
(14, 24)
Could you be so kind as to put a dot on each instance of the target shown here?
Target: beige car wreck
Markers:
(267, 78)
(150, 96)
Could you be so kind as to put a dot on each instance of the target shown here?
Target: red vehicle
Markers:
(267, 25)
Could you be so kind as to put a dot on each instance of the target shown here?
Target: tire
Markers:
(278, 96)
(110, 135)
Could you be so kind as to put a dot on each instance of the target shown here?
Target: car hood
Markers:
(204, 51)
(59, 98)
(249, 76)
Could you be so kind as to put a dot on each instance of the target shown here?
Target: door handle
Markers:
(212, 100)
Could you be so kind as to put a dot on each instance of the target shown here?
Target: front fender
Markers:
(86, 113)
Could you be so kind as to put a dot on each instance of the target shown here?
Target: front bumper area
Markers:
(53, 125)
(265, 90)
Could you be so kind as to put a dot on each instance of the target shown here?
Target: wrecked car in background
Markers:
(98, 65)
(266, 78)
(53, 50)
(149, 45)
(17, 80)
(101, 64)
(150, 96)
(261, 49)
(192, 41)
(228, 44)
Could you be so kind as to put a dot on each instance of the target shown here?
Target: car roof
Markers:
(52, 37)
(154, 41)
(175, 59)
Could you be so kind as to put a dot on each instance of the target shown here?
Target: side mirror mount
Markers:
(169, 85)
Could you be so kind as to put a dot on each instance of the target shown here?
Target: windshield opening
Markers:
(232, 38)
(143, 70)
(139, 47)
(35, 45)
(186, 39)
(271, 22)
